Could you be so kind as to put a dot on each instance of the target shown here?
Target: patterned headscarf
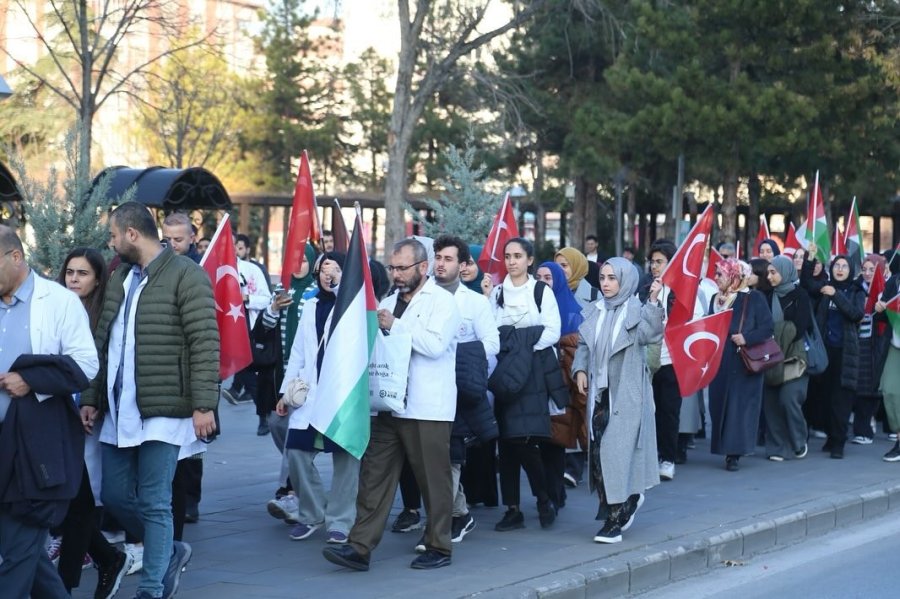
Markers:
(578, 264)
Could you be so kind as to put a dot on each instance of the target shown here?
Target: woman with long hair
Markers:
(735, 395)
(84, 273)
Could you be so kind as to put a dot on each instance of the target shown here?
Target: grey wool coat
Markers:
(628, 446)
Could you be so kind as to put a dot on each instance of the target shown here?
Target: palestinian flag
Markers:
(341, 407)
(853, 242)
(893, 313)
(817, 223)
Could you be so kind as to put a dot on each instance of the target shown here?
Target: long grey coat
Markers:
(628, 446)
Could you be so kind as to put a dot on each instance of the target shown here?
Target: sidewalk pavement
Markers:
(704, 518)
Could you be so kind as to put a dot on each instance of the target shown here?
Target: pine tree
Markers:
(63, 213)
(465, 209)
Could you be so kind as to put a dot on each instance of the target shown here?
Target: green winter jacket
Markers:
(177, 339)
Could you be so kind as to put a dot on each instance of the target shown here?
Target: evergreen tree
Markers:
(61, 222)
(465, 208)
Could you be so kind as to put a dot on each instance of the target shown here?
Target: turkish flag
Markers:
(714, 258)
(875, 289)
(683, 273)
(304, 225)
(791, 243)
(839, 248)
(696, 350)
(220, 263)
(503, 229)
(761, 235)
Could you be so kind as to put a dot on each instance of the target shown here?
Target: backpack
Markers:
(538, 294)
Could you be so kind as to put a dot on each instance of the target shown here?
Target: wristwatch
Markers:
(202, 410)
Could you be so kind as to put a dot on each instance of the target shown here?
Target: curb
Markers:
(641, 570)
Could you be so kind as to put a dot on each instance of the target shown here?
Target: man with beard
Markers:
(421, 433)
(158, 384)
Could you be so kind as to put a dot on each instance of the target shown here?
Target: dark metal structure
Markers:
(169, 189)
(10, 195)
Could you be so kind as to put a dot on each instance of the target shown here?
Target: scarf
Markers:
(846, 283)
(475, 284)
(299, 285)
(738, 273)
(628, 284)
(785, 267)
(569, 308)
(578, 265)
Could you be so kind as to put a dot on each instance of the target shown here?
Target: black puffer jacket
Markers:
(475, 420)
(851, 303)
(526, 412)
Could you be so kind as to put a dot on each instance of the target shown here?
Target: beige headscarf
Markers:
(578, 264)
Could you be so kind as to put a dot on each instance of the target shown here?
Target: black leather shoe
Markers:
(731, 463)
(346, 556)
(430, 560)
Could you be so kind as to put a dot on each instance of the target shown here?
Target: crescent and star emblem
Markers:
(687, 254)
(698, 336)
(234, 310)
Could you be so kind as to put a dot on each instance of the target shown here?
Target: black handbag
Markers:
(265, 344)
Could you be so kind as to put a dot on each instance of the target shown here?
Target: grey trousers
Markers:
(26, 570)
(460, 508)
(278, 426)
(337, 510)
(786, 430)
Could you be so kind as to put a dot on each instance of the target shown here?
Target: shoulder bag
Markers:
(762, 356)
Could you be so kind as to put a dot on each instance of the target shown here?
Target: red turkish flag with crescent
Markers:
(220, 263)
(714, 258)
(696, 350)
(304, 226)
(684, 271)
(504, 228)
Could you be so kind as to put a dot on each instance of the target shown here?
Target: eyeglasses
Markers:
(403, 268)
(841, 266)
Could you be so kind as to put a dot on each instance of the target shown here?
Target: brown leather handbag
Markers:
(762, 356)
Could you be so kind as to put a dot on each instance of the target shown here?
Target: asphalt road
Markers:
(858, 562)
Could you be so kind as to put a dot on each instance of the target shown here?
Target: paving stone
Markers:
(605, 579)
(724, 546)
(875, 503)
(688, 560)
(790, 528)
(820, 519)
(848, 510)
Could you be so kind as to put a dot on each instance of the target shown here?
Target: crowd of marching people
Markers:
(558, 369)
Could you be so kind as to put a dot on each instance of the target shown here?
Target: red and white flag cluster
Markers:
(695, 346)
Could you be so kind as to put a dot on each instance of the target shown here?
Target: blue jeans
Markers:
(137, 489)
(26, 570)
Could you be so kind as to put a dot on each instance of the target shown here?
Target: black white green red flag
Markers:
(341, 406)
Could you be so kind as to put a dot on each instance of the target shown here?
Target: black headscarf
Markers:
(849, 281)
(325, 303)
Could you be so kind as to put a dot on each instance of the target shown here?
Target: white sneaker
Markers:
(114, 538)
(136, 552)
(817, 434)
(666, 470)
(287, 508)
(860, 440)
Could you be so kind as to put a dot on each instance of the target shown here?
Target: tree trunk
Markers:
(540, 212)
(754, 188)
(631, 208)
(86, 108)
(729, 205)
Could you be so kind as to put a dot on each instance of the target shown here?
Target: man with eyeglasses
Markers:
(421, 434)
(44, 323)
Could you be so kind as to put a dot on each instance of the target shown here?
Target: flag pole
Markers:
(215, 237)
(501, 218)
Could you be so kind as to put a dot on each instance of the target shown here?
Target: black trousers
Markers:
(864, 408)
(840, 399)
(81, 534)
(553, 457)
(245, 380)
(522, 454)
(479, 476)
(667, 398)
